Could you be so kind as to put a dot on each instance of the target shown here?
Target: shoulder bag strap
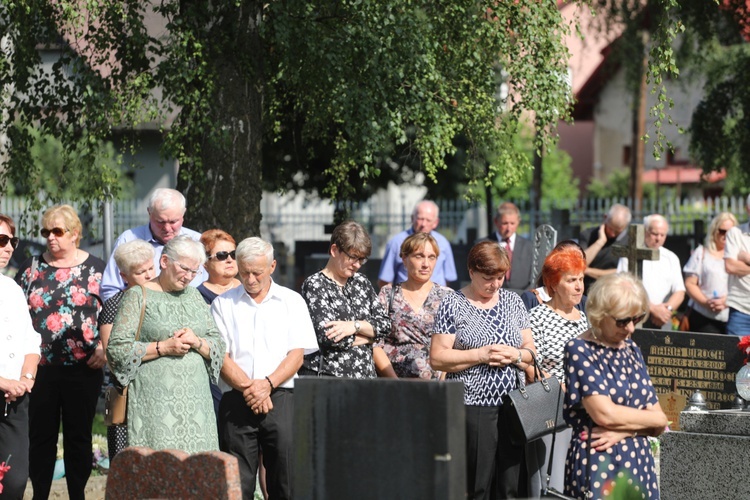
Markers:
(143, 313)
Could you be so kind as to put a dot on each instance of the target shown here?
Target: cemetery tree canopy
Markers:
(372, 83)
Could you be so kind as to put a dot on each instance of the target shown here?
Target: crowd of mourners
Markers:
(209, 345)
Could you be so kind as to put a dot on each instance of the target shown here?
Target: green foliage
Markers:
(616, 186)
(558, 182)
(346, 89)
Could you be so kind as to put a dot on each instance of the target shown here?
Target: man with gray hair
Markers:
(662, 278)
(267, 330)
(597, 243)
(424, 219)
(166, 212)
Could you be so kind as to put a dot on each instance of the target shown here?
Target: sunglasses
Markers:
(623, 322)
(222, 256)
(57, 231)
(4, 239)
(723, 232)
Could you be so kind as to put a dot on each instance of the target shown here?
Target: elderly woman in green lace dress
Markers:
(169, 367)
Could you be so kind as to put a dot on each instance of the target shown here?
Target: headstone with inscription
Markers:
(704, 361)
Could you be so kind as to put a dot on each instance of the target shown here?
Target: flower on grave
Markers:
(744, 346)
(4, 467)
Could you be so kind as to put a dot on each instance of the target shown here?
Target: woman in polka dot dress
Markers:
(610, 396)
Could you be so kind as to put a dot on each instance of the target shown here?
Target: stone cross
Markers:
(545, 239)
(636, 250)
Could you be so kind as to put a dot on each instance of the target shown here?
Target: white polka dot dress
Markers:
(621, 374)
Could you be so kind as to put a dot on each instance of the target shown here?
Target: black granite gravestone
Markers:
(704, 361)
(376, 439)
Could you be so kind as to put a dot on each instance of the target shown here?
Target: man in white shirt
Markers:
(662, 278)
(166, 212)
(267, 330)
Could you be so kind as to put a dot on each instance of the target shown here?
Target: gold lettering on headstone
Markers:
(690, 368)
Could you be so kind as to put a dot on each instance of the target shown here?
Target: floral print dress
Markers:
(355, 301)
(407, 345)
(64, 303)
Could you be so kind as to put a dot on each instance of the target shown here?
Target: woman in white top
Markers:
(706, 279)
(19, 356)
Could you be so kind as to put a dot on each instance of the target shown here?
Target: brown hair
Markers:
(9, 222)
(351, 237)
(417, 241)
(212, 236)
(488, 257)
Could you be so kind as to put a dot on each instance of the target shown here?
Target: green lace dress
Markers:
(169, 399)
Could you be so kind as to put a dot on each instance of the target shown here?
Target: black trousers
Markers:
(493, 464)
(243, 433)
(14, 442)
(70, 393)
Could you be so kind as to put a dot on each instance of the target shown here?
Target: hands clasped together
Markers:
(258, 396)
(14, 389)
(498, 355)
(180, 343)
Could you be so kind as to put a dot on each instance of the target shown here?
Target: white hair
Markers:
(184, 246)
(250, 249)
(649, 220)
(426, 202)
(165, 198)
(133, 253)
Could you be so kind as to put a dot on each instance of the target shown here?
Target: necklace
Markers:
(602, 342)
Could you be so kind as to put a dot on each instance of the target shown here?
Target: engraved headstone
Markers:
(704, 361)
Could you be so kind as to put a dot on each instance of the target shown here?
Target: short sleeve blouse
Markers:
(484, 385)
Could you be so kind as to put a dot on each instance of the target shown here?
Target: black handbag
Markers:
(535, 410)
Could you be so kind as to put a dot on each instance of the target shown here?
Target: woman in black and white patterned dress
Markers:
(553, 325)
(345, 310)
(482, 337)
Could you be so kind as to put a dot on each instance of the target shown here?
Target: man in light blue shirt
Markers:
(424, 219)
(166, 212)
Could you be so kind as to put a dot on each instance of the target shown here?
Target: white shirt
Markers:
(661, 278)
(739, 286)
(259, 336)
(17, 335)
(505, 244)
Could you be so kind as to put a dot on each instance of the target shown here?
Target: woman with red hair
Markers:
(553, 324)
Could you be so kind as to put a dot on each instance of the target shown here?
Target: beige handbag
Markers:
(116, 400)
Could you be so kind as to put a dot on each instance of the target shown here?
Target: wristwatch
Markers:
(357, 327)
(29, 376)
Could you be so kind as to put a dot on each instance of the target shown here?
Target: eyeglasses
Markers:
(362, 260)
(222, 256)
(186, 269)
(723, 232)
(4, 239)
(623, 322)
(57, 231)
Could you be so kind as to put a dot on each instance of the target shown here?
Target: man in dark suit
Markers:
(520, 250)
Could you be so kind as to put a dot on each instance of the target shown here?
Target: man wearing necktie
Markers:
(520, 250)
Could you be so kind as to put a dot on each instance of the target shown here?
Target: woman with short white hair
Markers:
(169, 367)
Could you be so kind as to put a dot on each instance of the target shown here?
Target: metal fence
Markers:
(286, 221)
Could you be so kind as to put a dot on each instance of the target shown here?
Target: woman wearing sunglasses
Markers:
(179, 350)
(63, 296)
(221, 264)
(707, 281)
(19, 345)
(610, 401)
